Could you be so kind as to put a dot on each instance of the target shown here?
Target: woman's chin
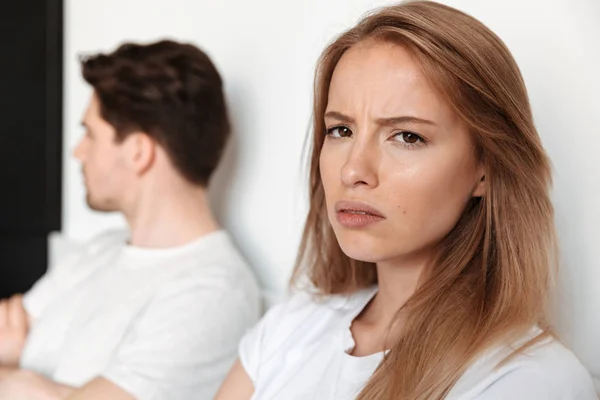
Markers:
(361, 253)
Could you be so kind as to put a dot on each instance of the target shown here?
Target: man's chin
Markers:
(100, 206)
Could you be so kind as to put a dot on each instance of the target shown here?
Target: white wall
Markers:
(266, 51)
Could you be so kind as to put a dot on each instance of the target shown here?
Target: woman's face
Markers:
(398, 167)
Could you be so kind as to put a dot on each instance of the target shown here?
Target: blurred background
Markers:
(266, 51)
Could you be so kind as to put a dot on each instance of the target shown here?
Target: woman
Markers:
(430, 242)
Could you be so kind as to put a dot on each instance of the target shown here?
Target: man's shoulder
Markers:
(68, 254)
(107, 239)
(64, 247)
(211, 267)
(213, 258)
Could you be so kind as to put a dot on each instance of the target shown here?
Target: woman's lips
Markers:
(353, 214)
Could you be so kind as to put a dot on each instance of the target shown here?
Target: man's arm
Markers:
(5, 372)
(100, 389)
(16, 384)
(14, 327)
(28, 385)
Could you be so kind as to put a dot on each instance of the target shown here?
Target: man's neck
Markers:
(170, 217)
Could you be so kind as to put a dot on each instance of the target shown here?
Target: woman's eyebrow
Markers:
(339, 116)
(403, 119)
(381, 121)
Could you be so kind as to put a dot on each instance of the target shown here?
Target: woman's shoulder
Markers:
(544, 370)
(304, 320)
(302, 308)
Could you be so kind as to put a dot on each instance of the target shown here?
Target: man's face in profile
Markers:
(103, 161)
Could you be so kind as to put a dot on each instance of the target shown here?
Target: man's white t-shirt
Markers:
(299, 351)
(163, 324)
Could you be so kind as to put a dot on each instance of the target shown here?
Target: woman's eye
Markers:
(408, 137)
(339, 131)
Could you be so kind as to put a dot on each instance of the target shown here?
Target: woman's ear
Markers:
(480, 186)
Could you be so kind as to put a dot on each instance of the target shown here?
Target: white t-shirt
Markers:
(299, 351)
(163, 324)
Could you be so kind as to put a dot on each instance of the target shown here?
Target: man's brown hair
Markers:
(172, 92)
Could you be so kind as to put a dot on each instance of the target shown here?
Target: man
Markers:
(155, 313)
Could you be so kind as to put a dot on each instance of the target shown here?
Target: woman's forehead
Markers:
(386, 79)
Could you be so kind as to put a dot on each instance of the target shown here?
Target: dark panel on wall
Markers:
(29, 254)
(30, 138)
(54, 112)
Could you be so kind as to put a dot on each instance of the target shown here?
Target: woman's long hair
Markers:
(490, 283)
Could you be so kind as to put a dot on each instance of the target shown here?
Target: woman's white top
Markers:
(299, 351)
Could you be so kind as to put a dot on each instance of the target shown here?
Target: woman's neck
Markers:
(397, 283)
(380, 319)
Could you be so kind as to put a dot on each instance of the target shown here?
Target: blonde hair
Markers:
(491, 281)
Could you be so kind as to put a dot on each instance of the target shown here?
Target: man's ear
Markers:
(141, 151)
